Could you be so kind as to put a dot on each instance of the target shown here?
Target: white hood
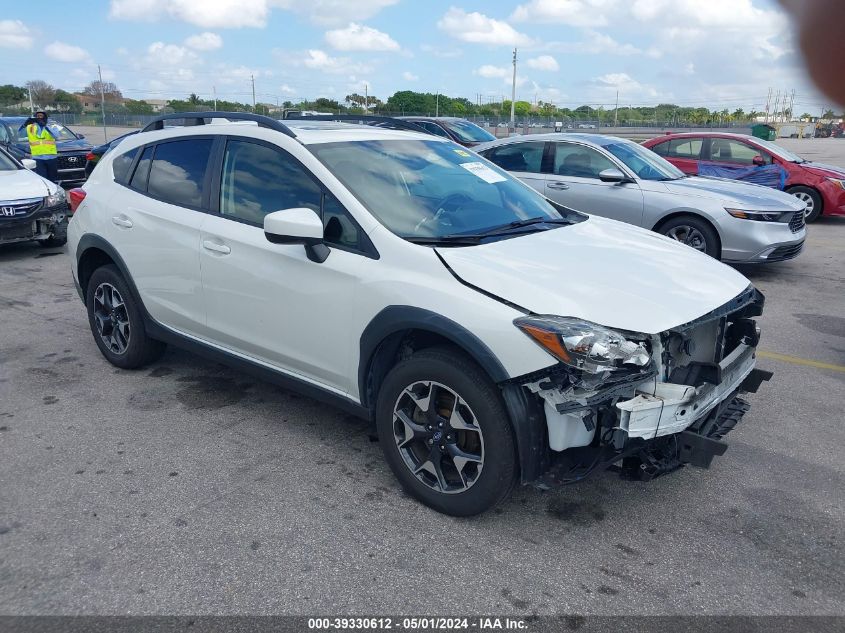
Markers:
(21, 184)
(607, 272)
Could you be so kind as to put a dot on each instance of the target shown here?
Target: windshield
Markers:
(784, 153)
(60, 131)
(468, 132)
(643, 162)
(6, 163)
(432, 189)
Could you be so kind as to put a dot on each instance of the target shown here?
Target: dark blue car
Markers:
(72, 148)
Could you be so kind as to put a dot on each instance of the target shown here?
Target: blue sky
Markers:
(718, 53)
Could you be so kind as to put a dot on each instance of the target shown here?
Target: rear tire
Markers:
(812, 199)
(458, 455)
(116, 321)
(694, 232)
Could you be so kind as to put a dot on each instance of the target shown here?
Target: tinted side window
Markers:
(121, 164)
(432, 127)
(579, 161)
(258, 180)
(178, 171)
(519, 156)
(732, 151)
(680, 148)
(340, 228)
(139, 179)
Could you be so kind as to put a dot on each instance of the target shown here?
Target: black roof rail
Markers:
(366, 119)
(198, 118)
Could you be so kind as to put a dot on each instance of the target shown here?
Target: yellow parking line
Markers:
(795, 360)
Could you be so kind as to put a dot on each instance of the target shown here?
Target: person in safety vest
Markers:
(42, 147)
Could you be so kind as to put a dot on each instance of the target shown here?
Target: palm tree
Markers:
(739, 114)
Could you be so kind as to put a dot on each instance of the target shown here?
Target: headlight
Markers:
(584, 345)
(838, 182)
(55, 199)
(761, 216)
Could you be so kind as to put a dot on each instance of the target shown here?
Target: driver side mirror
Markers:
(758, 160)
(297, 226)
(28, 163)
(613, 175)
(80, 136)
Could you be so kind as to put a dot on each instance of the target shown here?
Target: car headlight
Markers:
(584, 345)
(761, 216)
(838, 182)
(55, 199)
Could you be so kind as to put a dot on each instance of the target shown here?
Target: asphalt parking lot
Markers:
(191, 488)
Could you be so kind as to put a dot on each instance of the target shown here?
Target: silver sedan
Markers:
(619, 179)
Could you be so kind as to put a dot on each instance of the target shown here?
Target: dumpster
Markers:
(764, 131)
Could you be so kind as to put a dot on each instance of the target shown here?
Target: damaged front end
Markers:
(642, 404)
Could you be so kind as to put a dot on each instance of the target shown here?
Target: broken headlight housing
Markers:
(56, 198)
(583, 345)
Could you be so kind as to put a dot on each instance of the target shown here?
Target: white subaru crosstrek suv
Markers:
(491, 335)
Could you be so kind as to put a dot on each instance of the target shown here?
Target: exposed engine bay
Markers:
(648, 402)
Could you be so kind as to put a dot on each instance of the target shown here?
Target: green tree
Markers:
(10, 95)
(828, 114)
(66, 102)
(138, 107)
(42, 92)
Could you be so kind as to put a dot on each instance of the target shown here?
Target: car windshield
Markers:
(468, 132)
(428, 190)
(776, 149)
(59, 130)
(6, 163)
(643, 162)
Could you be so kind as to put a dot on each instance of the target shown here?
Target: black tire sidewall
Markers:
(454, 370)
(817, 202)
(713, 247)
(141, 349)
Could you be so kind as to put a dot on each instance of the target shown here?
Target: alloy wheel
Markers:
(807, 199)
(111, 318)
(688, 235)
(438, 437)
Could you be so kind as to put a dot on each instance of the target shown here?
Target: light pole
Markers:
(102, 102)
(513, 94)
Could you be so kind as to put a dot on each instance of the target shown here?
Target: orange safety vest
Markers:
(40, 144)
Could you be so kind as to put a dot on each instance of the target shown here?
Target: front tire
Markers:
(445, 432)
(694, 232)
(812, 199)
(116, 321)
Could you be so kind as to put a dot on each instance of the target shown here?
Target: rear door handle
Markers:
(123, 221)
(215, 247)
(557, 185)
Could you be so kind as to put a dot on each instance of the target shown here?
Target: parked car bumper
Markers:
(36, 225)
(833, 198)
(751, 242)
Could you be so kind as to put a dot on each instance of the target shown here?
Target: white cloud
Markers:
(571, 12)
(15, 34)
(439, 51)
(161, 54)
(62, 52)
(543, 62)
(316, 59)
(210, 14)
(477, 28)
(357, 37)
(204, 41)
(334, 12)
(596, 43)
(608, 84)
(287, 90)
(488, 71)
(409, 76)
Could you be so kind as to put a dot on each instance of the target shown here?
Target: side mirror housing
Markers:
(613, 175)
(758, 160)
(28, 163)
(78, 135)
(297, 226)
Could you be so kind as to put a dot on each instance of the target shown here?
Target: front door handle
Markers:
(123, 221)
(556, 184)
(215, 247)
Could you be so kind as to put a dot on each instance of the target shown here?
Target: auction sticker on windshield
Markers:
(484, 172)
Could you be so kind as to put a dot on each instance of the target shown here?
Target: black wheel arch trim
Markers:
(380, 341)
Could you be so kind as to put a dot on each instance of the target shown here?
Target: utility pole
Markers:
(252, 77)
(616, 110)
(214, 92)
(31, 105)
(768, 103)
(513, 94)
(791, 104)
(102, 102)
(437, 104)
(366, 98)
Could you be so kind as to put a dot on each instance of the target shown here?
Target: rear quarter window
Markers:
(122, 164)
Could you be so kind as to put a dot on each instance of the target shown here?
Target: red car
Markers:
(821, 187)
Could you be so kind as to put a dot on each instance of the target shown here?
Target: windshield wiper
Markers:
(468, 239)
(448, 240)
